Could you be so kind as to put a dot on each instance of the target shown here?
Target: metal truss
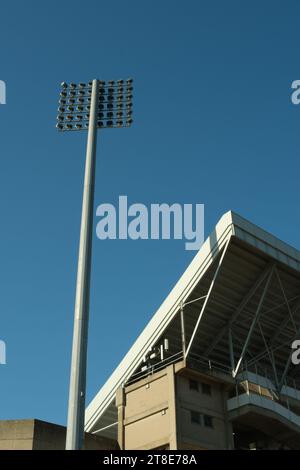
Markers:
(187, 350)
(259, 320)
(254, 321)
(237, 312)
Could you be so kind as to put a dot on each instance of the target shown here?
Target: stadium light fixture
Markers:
(75, 101)
(92, 106)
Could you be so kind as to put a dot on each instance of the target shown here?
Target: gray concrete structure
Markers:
(33, 434)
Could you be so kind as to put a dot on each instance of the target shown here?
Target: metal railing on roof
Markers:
(151, 369)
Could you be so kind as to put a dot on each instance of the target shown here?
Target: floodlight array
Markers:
(114, 105)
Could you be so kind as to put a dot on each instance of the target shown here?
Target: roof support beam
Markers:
(286, 300)
(207, 298)
(194, 300)
(279, 329)
(271, 356)
(183, 342)
(236, 339)
(283, 324)
(275, 370)
(106, 427)
(255, 319)
(287, 365)
(276, 348)
(231, 352)
(236, 313)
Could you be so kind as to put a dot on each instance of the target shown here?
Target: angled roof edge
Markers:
(265, 241)
(229, 224)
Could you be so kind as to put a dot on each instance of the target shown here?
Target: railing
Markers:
(262, 402)
(198, 362)
(151, 369)
(206, 364)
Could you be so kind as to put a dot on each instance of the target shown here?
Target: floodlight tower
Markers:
(92, 106)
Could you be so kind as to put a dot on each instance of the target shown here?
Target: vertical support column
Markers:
(182, 329)
(120, 403)
(231, 352)
(76, 409)
(172, 407)
(227, 424)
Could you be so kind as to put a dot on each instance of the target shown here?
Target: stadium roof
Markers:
(240, 298)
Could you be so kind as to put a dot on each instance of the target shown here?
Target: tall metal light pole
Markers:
(96, 105)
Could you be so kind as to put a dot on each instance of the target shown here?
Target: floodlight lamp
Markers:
(114, 108)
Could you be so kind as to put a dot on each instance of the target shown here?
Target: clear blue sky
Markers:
(214, 124)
